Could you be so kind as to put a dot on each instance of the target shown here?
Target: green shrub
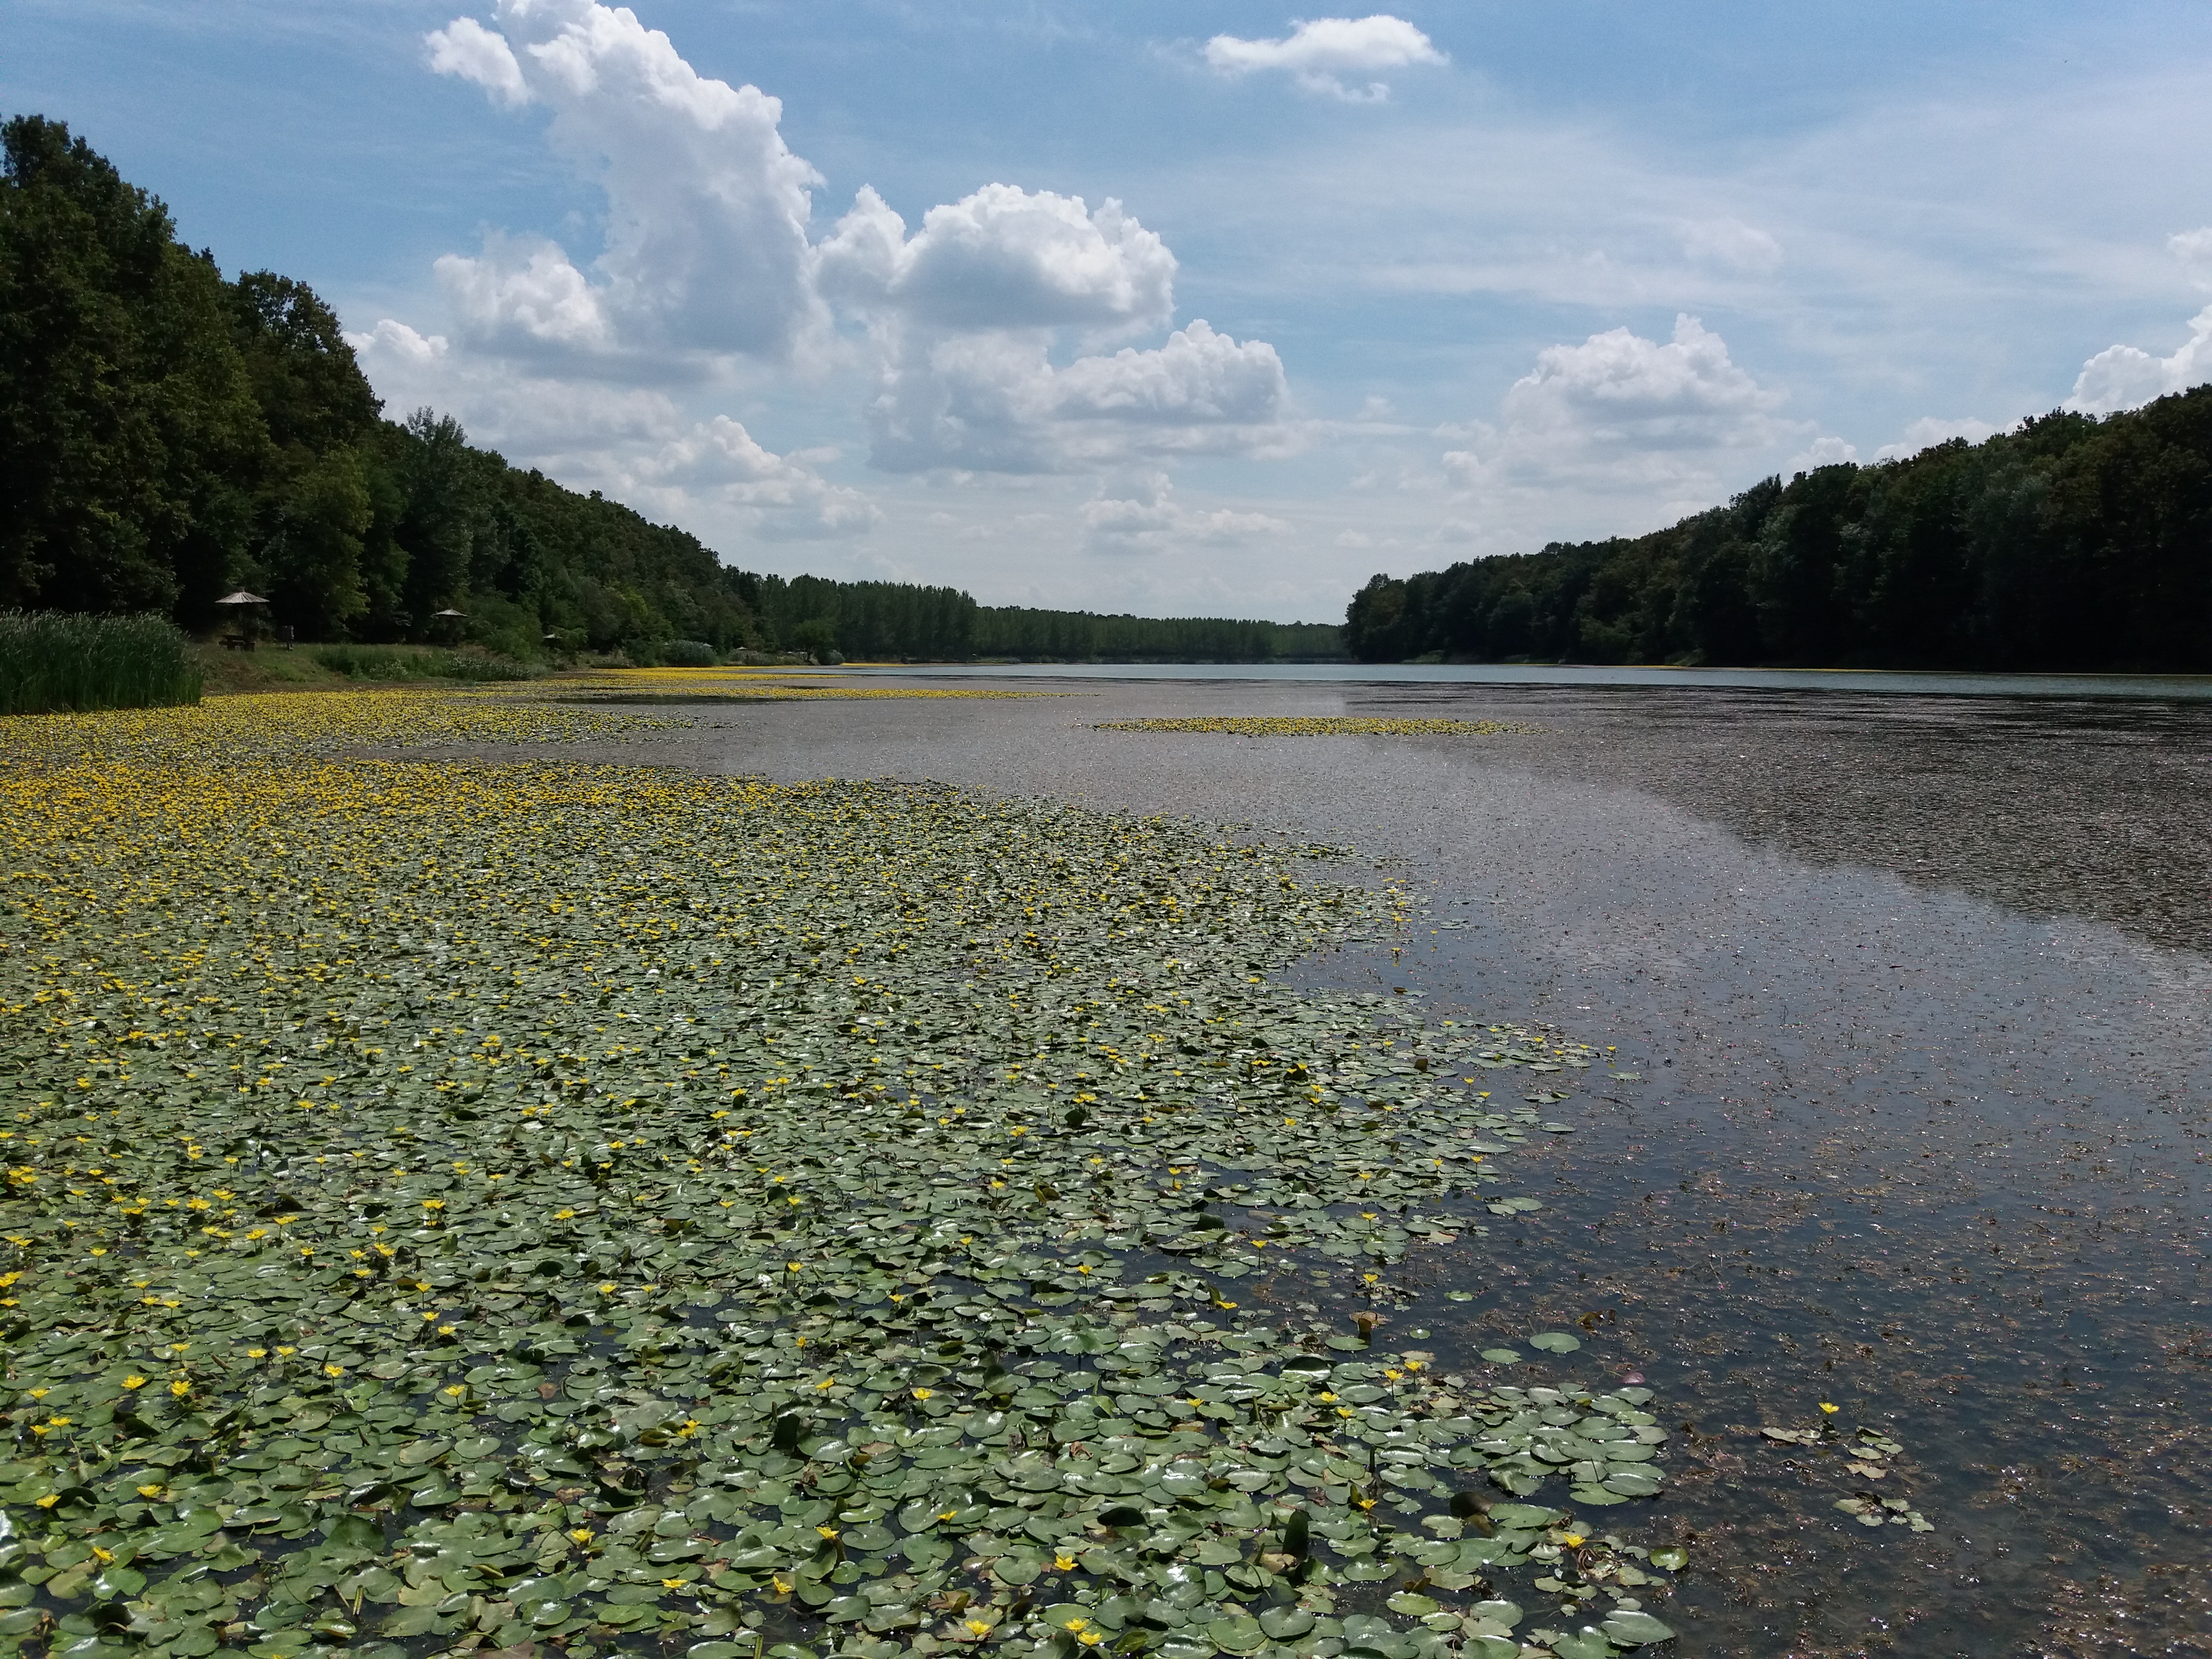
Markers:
(51, 660)
(671, 654)
(388, 662)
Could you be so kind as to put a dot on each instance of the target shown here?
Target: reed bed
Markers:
(53, 662)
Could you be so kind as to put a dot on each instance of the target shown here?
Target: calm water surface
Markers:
(1849, 681)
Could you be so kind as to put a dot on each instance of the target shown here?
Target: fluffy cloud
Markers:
(636, 444)
(2127, 377)
(1002, 257)
(705, 251)
(1639, 430)
(522, 294)
(1319, 52)
(966, 312)
(977, 322)
(720, 461)
(1618, 391)
(466, 48)
(992, 400)
(1141, 514)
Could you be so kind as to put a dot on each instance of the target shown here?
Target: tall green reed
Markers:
(53, 660)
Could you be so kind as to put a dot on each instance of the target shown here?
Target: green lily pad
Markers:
(1286, 1623)
(650, 1197)
(1588, 1643)
(1555, 1342)
(1502, 1356)
(1635, 1629)
(1237, 1633)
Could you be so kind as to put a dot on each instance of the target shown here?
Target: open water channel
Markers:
(1916, 978)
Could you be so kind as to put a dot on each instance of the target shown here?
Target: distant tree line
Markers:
(167, 435)
(1078, 635)
(2070, 544)
(882, 620)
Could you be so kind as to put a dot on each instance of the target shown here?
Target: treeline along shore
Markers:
(2071, 543)
(169, 436)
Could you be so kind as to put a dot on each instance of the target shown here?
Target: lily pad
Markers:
(644, 1199)
(1632, 1629)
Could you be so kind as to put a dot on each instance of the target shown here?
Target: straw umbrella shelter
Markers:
(244, 618)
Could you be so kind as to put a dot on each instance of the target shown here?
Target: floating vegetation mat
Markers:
(1328, 725)
(455, 1206)
(254, 729)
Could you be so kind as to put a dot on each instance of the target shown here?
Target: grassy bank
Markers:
(53, 661)
(334, 667)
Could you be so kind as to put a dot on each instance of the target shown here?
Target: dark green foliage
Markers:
(683, 654)
(54, 659)
(879, 620)
(315, 504)
(2072, 543)
(388, 662)
(129, 433)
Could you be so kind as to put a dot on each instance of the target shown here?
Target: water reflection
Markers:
(2093, 808)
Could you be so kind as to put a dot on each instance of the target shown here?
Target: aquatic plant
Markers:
(59, 660)
(522, 1202)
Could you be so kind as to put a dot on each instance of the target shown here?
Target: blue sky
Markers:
(1380, 291)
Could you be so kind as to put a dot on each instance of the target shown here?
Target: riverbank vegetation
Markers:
(170, 435)
(2070, 544)
(57, 660)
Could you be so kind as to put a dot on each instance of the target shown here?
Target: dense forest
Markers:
(2069, 543)
(167, 435)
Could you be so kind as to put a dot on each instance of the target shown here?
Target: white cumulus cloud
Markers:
(1007, 330)
(967, 311)
(992, 400)
(1002, 257)
(785, 499)
(1618, 390)
(466, 48)
(523, 293)
(1319, 52)
(2127, 377)
(1638, 431)
(1140, 514)
(706, 250)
